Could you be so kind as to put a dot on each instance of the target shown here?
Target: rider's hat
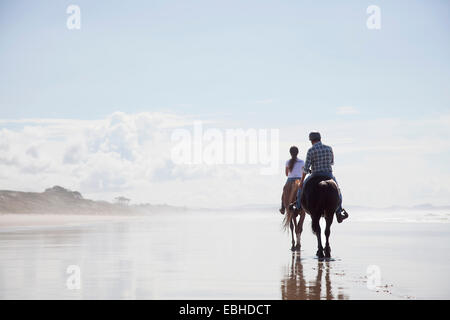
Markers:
(314, 136)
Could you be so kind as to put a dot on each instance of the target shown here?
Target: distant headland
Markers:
(59, 200)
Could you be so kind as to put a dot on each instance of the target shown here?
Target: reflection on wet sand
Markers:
(295, 287)
(213, 256)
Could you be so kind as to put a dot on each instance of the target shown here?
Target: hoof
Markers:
(319, 254)
(293, 248)
(297, 247)
(327, 252)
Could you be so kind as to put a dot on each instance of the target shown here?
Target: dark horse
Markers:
(320, 198)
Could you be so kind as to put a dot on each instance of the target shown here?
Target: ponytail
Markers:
(294, 152)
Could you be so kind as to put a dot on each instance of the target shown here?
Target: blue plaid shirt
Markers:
(320, 158)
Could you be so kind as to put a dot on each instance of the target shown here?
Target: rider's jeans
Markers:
(323, 173)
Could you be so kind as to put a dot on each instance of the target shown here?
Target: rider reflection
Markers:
(295, 287)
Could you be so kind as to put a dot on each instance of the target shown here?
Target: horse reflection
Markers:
(295, 287)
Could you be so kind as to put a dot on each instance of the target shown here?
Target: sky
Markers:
(95, 109)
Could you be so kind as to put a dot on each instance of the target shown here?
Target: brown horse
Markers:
(320, 198)
(290, 218)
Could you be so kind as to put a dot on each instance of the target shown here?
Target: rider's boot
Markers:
(293, 206)
(341, 214)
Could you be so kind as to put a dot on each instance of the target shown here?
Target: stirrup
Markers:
(293, 207)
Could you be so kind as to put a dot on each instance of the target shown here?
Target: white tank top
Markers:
(297, 170)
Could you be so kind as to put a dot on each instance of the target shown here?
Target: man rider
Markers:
(320, 158)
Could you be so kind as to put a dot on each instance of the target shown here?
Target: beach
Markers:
(219, 255)
(28, 220)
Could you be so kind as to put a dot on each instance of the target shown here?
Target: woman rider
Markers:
(294, 171)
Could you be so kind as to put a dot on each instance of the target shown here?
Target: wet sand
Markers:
(221, 255)
(27, 220)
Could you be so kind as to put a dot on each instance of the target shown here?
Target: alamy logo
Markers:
(213, 146)
(74, 20)
(374, 20)
(373, 277)
(73, 281)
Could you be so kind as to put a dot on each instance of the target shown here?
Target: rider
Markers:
(294, 171)
(320, 158)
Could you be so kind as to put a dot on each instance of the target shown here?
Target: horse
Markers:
(320, 198)
(290, 218)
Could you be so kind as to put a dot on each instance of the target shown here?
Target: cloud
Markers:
(73, 154)
(122, 154)
(379, 162)
(346, 110)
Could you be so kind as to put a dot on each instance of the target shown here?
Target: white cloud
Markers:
(122, 154)
(379, 162)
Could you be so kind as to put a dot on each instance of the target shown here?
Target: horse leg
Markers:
(299, 229)
(294, 219)
(291, 226)
(329, 221)
(317, 231)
